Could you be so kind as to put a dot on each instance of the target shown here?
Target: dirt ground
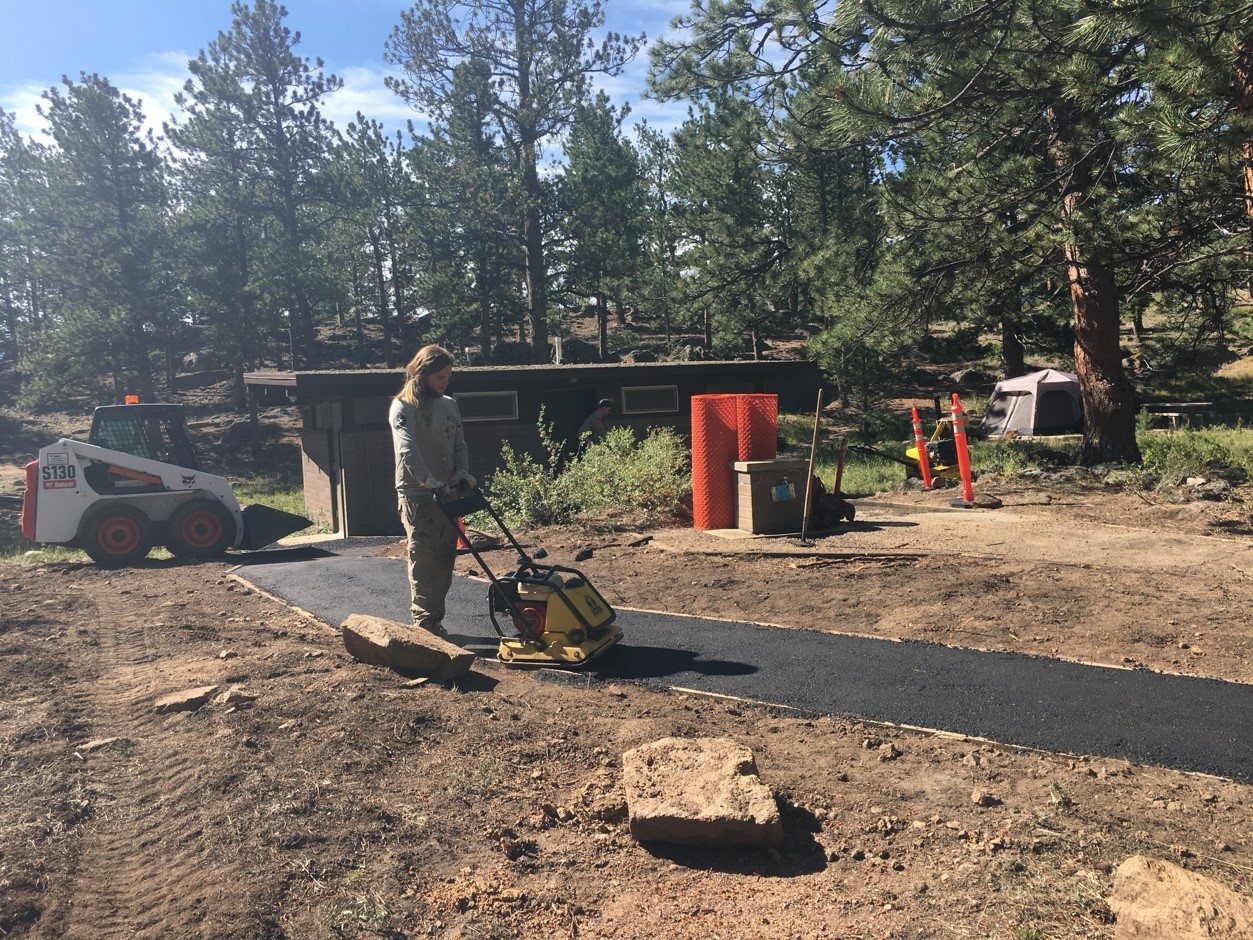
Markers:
(345, 801)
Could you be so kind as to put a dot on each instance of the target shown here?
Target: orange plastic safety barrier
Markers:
(727, 428)
(924, 459)
(963, 453)
(757, 426)
(715, 445)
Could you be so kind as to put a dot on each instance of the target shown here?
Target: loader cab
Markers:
(154, 431)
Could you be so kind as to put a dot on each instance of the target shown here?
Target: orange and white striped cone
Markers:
(963, 455)
(924, 461)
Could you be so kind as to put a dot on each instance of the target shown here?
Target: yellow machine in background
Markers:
(557, 617)
(941, 452)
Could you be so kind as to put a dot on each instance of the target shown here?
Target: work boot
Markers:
(436, 628)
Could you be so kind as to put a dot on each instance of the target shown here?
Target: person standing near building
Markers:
(431, 462)
(597, 423)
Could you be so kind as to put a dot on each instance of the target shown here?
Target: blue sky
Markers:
(142, 47)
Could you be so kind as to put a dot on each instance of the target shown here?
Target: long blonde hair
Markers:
(427, 360)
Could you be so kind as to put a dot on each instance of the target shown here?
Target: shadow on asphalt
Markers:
(271, 556)
(656, 662)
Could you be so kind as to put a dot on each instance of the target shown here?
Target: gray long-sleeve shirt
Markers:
(429, 443)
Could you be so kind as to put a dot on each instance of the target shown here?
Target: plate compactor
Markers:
(557, 617)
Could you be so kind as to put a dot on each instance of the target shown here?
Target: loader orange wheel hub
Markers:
(116, 535)
(201, 529)
(119, 535)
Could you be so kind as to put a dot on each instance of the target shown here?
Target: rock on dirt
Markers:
(380, 642)
(702, 791)
(189, 700)
(1158, 900)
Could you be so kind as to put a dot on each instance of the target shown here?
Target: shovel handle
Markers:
(809, 478)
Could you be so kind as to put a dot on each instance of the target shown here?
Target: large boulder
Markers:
(403, 647)
(699, 791)
(1156, 900)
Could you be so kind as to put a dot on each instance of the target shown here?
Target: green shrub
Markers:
(527, 490)
(617, 481)
(1175, 456)
(649, 478)
(1014, 456)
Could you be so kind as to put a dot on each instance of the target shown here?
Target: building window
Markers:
(488, 406)
(646, 399)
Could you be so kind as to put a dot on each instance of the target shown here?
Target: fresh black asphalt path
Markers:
(1145, 717)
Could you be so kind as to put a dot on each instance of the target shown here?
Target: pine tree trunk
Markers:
(1109, 410)
(533, 247)
(1137, 352)
(239, 390)
(1244, 104)
(358, 329)
(1109, 399)
(602, 325)
(385, 313)
(10, 320)
(619, 308)
(484, 303)
(168, 356)
(1013, 355)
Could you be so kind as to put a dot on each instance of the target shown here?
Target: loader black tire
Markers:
(116, 535)
(200, 528)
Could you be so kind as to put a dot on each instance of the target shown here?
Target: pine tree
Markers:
(100, 223)
(541, 56)
(727, 206)
(602, 199)
(276, 145)
(466, 219)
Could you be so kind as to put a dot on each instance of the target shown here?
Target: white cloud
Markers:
(153, 87)
(364, 91)
(163, 76)
(21, 101)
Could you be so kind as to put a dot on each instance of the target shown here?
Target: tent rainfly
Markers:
(1045, 402)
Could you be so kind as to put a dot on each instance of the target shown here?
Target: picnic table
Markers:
(1180, 413)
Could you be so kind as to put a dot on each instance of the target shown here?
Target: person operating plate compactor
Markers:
(431, 462)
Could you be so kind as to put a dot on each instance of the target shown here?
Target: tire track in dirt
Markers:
(142, 850)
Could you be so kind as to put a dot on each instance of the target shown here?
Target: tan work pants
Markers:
(432, 554)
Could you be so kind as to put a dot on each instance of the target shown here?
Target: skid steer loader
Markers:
(137, 483)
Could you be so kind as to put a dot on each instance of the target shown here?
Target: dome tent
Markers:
(1044, 402)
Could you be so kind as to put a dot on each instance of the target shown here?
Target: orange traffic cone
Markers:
(963, 455)
(924, 461)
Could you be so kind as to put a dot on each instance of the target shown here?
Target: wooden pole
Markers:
(839, 469)
(809, 480)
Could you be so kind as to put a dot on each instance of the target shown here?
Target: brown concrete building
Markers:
(347, 447)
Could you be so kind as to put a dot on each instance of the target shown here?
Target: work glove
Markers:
(438, 487)
(463, 478)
